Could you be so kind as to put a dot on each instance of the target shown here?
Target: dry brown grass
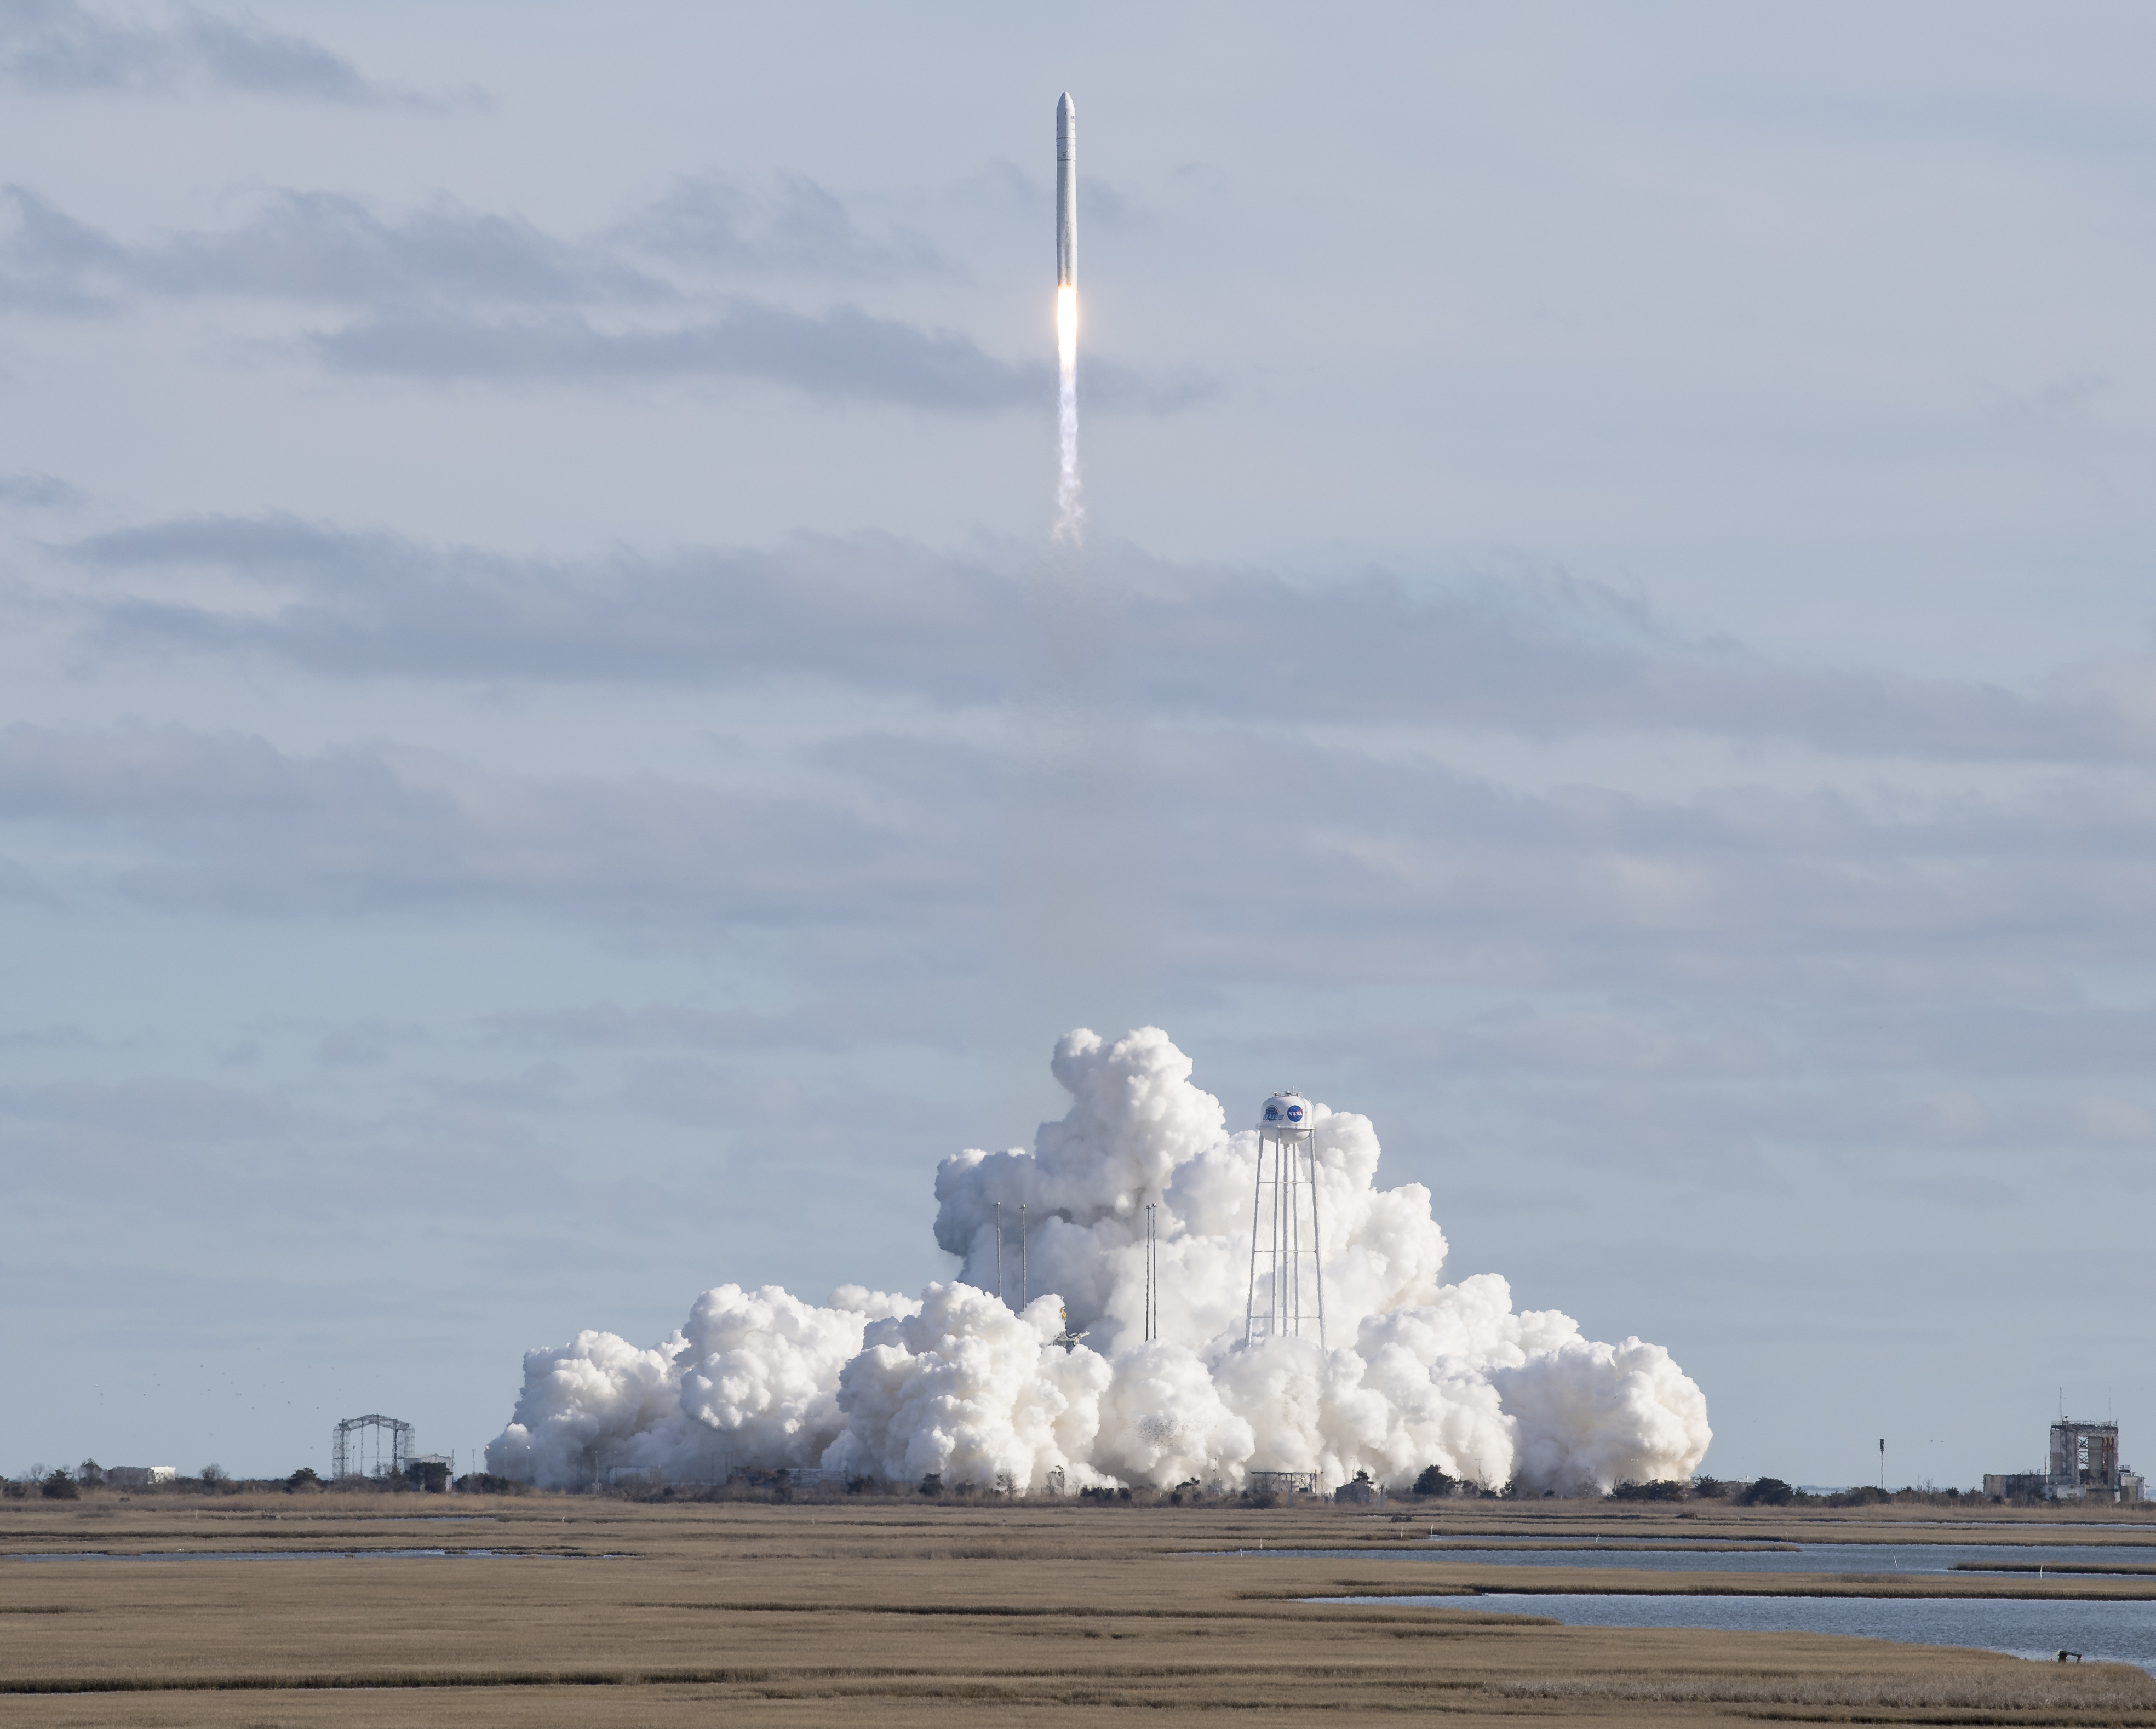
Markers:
(876, 1613)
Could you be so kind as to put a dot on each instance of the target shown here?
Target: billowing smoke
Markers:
(963, 1384)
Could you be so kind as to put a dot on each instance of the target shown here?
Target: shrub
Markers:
(58, 1485)
(303, 1478)
(1662, 1489)
(91, 1474)
(933, 1484)
(1767, 1492)
(1709, 1488)
(1434, 1481)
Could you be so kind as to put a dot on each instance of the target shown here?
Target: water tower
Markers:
(1287, 1284)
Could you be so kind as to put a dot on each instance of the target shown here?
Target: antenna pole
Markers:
(1025, 1278)
(999, 1251)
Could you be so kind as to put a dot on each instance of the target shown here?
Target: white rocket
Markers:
(1066, 192)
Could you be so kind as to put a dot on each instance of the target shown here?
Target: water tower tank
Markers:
(1286, 1114)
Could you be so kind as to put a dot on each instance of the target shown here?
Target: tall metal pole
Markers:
(1316, 1247)
(1294, 1240)
(999, 1251)
(1151, 1282)
(1024, 1278)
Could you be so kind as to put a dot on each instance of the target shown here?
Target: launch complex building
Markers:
(2084, 1467)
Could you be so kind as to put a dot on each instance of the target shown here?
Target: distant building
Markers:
(1363, 1491)
(140, 1476)
(2083, 1466)
(1281, 1482)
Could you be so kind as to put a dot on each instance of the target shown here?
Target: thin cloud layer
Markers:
(230, 824)
(450, 295)
(713, 225)
(840, 356)
(1393, 872)
(36, 492)
(312, 248)
(1547, 658)
(55, 45)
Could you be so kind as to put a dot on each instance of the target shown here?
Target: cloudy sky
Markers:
(549, 760)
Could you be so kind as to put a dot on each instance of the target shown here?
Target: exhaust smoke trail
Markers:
(963, 1383)
(1070, 506)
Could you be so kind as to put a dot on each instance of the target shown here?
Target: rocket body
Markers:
(1070, 504)
(1066, 192)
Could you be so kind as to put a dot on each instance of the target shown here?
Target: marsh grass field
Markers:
(881, 1611)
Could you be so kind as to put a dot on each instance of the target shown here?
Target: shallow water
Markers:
(1803, 1558)
(2019, 1626)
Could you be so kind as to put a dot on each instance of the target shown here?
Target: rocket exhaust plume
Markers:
(1138, 1208)
(1069, 507)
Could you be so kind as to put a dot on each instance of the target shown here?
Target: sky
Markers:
(549, 760)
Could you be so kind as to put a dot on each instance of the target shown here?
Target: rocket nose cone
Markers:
(1066, 109)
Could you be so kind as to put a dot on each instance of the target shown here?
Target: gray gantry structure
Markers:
(358, 1448)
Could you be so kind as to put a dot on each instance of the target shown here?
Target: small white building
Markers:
(141, 1476)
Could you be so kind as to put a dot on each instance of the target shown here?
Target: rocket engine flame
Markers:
(1070, 505)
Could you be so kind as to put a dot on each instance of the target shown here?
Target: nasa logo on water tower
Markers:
(1285, 1113)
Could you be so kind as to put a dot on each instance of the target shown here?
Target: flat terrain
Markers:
(879, 1612)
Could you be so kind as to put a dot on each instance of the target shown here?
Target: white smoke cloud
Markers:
(966, 1384)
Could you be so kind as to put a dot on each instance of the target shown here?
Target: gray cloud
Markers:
(230, 824)
(1391, 871)
(716, 226)
(147, 1111)
(609, 1026)
(1547, 658)
(863, 1016)
(40, 492)
(322, 246)
(311, 247)
(844, 355)
(330, 249)
(51, 263)
(437, 284)
(57, 45)
(54, 1038)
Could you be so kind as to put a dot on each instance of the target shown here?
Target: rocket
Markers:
(1066, 192)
